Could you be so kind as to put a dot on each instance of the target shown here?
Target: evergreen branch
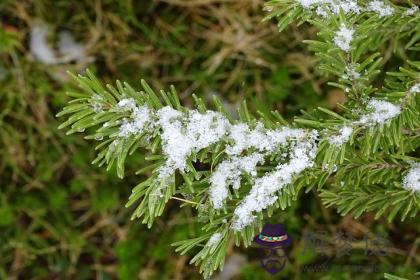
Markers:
(237, 172)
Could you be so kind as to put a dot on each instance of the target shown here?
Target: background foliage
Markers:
(61, 217)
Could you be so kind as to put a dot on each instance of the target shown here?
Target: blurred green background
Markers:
(62, 218)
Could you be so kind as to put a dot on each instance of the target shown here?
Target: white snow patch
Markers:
(310, 3)
(351, 72)
(323, 7)
(343, 38)
(412, 179)
(342, 137)
(184, 133)
(263, 192)
(140, 118)
(415, 88)
(126, 104)
(261, 139)
(381, 8)
(412, 11)
(214, 239)
(228, 173)
(382, 111)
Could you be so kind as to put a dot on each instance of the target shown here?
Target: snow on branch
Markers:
(412, 179)
(228, 173)
(415, 88)
(342, 137)
(265, 190)
(214, 240)
(184, 133)
(188, 132)
(325, 8)
(343, 37)
(380, 8)
(380, 112)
